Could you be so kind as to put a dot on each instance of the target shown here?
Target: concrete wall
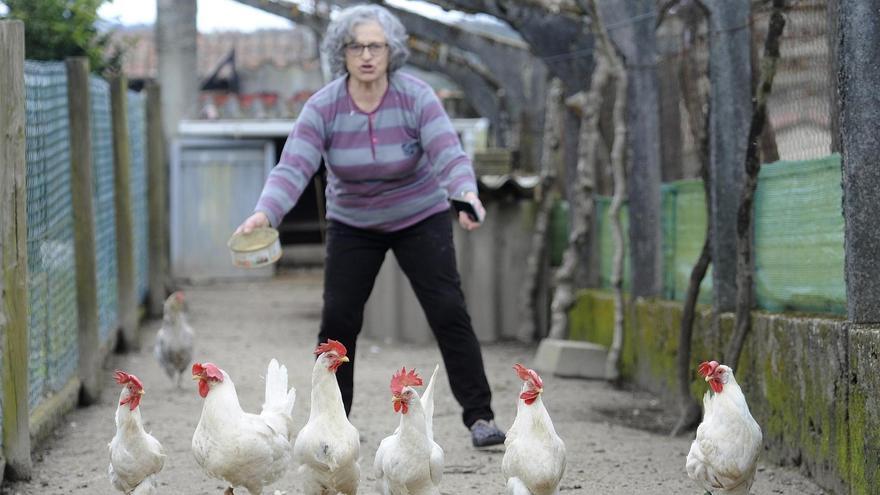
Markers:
(492, 264)
(812, 383)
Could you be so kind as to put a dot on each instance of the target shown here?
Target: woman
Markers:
(393, 162)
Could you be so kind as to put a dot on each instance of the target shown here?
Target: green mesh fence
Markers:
(137, 145)
(104, 205)
(799, 237)
(684, 232)
(606, 242)
(53, 350)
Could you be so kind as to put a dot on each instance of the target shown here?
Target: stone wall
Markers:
(812, 382)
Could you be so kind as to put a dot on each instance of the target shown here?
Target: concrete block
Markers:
(863, 421)
(570, 358)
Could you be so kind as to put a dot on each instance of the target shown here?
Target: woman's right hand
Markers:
(255, 221)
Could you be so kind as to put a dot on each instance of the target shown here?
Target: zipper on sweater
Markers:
(372, 137)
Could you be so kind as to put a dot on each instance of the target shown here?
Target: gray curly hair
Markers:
(341, 32)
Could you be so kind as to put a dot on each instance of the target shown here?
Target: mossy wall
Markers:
(812, 383)
(864, 409)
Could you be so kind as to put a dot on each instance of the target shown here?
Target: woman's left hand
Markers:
(464, 220)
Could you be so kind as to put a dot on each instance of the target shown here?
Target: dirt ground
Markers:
(241, 326)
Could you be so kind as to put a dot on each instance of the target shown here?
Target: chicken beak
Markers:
(141, 392)
(708, 377)
(344, 359)
(196, 378)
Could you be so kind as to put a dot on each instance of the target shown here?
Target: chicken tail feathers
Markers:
(278, 397)
(427, 400)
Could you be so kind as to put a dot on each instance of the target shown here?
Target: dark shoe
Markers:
(485, 433)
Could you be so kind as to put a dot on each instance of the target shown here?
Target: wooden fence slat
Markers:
(13, 252)
(157, 201)
(127, 294)
(81, 183)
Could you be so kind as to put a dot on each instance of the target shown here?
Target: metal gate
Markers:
(214, 185)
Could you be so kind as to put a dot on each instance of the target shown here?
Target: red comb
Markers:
(123, 378)
(209, 369)
(404, 379)
(706, 368)
(528, 375)
(331, 345)
(179, 296)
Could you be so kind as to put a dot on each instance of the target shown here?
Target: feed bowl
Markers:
(260, 247)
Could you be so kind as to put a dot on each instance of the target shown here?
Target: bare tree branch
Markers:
(291, 11)
(744, 265)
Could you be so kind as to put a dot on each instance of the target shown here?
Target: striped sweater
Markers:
(386, 170)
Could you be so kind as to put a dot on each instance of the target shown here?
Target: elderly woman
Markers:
(393, 163)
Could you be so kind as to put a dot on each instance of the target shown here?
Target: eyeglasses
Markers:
(357, 49)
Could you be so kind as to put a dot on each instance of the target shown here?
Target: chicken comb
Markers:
(331, 345)
(179, 296)
(124, 378)
(209, 369)
(706, 368)
(404, 378)
(528, 375)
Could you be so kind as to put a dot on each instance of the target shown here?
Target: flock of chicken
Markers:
(254, 450)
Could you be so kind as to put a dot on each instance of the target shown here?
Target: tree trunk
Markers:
(581, 201)
(549, 193)
(609, 59)
(618, 163)
(769, 150)
(744, 265)
(698, 120)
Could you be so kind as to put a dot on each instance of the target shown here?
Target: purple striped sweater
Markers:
(386, 170)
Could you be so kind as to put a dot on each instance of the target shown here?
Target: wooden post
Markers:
(124, 217)
(157, 201)
(78, 104)
(13, 252)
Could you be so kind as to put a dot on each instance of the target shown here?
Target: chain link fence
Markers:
(53, 350)
(103, 198)
(799, 110)
(137, 133)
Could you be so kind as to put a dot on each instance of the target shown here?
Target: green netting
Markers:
(137, 145)
(104, 205)
(799, 237)
(53, 352)
(684, 231)
(606, 242)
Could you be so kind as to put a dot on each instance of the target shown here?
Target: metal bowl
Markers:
(260, 247)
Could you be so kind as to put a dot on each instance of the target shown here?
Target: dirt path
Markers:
(241, 326)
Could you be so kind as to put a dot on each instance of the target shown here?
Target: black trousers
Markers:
(426, 254)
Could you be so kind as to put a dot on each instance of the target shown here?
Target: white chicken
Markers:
(534, 455)
(174, 341)
(327, 449)
(240, 448)
(409, 462)
(724, 456)
(135, 456)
